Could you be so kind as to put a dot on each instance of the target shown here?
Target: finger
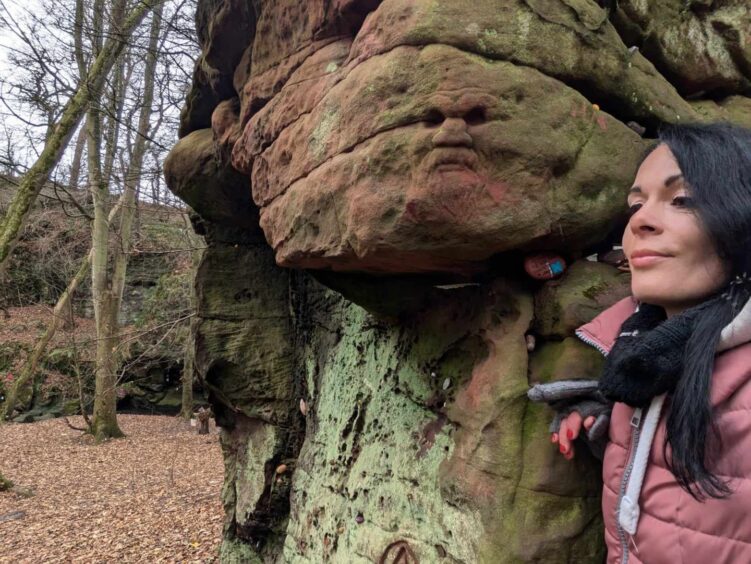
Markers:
(574, 425)
(570, 454)
(564, 442)
(588, 422)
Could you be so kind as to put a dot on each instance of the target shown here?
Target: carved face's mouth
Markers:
(446, 159)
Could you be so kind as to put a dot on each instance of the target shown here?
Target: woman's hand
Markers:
(574, 401)
(568, 432)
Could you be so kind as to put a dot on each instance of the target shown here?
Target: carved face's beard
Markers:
(449, 186)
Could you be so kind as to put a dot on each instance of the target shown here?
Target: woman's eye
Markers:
(632, 209)
(683, 202)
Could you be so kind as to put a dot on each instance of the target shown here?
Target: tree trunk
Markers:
(32, 182)
(115, 106)
(75, 167)
(133, 174)
(108, 290)
(186, 409)
(104, 421)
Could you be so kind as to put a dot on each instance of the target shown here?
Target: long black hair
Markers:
(715, 160)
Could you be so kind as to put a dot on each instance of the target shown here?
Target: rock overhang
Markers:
(333, 109)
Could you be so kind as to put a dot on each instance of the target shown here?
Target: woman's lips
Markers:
(644, 261)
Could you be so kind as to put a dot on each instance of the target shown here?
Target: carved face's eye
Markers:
(475, 116)
(434, 118)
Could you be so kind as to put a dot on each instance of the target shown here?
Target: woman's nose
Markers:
(645, 220)
(453, 133)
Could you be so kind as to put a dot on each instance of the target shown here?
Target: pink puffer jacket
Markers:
(654, 521)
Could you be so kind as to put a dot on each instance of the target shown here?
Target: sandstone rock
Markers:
(424, 173)
(194, 171)
(586, 289)
(570, 40)
(568, 359)
(225, 123)
(379, 445)
(224, 28)
(255, 505)
(700, 46)
(208, 89)
(244, 344)
(735, 109)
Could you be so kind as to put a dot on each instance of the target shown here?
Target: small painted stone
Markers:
(360, 519)
(446, 383)
(303, 407)
(596, 107)
(544, 266)
(531, 341)
(281, 469)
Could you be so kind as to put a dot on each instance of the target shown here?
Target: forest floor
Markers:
(153, 496)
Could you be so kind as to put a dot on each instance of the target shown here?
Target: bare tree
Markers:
(108, 283)
(70, 117)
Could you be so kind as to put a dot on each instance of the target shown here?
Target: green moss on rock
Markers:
(585, 290)
(564, 360)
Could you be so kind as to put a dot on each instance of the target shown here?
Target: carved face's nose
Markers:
(452, 133)
(453, 126)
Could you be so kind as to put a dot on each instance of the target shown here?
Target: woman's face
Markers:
(673, 262)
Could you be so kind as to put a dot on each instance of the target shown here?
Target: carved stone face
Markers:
(377, 155)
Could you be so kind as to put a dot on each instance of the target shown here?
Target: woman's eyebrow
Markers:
(668, 181)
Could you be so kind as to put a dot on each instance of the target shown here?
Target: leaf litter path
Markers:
(151, 497)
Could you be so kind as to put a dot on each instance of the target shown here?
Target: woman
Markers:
(677, 466)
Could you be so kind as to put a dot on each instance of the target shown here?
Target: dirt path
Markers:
(151, 497)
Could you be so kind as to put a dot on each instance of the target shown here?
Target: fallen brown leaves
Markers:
(151, 497)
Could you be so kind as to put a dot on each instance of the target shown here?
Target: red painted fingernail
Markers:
(570, 434)
(554, 438)
(563, 449)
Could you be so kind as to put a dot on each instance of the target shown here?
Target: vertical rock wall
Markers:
(408, 155)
